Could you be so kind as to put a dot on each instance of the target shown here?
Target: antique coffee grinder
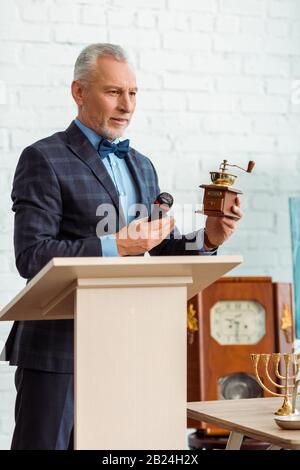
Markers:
(220, 196)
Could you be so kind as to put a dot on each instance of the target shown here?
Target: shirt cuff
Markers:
(109, 245)
(200, 245)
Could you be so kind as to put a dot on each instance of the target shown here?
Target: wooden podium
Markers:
(130, 341)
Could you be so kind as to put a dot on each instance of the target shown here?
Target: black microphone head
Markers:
(164, 199)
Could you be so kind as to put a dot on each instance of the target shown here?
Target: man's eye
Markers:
(114, 92)
(133, 93)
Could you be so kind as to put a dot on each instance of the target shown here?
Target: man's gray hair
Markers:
(88, 58)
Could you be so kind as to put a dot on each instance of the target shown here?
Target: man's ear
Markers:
(78, 91)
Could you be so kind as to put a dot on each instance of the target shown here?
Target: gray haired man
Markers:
(61, 186)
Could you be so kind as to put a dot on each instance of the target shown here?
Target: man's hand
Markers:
(141, 236)
(218, 229)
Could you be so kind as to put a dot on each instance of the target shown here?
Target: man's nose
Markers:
(125, 103)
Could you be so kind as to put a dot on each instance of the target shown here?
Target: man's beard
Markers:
(109, 134)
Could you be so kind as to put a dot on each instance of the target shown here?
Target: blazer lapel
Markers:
(84, 150)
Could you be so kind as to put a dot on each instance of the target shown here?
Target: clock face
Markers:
(237, 322)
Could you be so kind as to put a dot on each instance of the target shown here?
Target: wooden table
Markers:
(253, 417)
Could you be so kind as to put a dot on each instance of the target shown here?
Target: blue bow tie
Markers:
(106, 147)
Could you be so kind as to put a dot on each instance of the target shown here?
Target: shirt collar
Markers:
(93, 137)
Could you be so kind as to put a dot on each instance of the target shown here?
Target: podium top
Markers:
(56, 283)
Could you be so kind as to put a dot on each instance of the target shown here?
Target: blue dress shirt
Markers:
(126, 188)
(123, 181)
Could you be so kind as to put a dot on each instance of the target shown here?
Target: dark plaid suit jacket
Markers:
(58, 185)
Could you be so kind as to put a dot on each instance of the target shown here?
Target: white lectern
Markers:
(130, 341)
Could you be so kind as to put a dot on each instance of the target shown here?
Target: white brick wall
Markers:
(215, 80)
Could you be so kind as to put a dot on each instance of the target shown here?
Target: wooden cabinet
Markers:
(236, 316)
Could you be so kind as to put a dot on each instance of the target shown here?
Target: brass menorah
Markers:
(288, 379)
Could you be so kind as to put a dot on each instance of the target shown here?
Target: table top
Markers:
(253, 417)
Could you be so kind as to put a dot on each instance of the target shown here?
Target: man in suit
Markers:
(71, 196)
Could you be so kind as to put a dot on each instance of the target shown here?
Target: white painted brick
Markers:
(288, 144)
(237, 43)
(186, 81)
(284, 9)
(8, 53)
(202, 22)
(252, 257)
(9, 12)
(170, 101)
(21, 138)
(5, 442)
(140, 122)
(7, 279)
(4, 139)
(295, 29)
(282, 220)
(246, 7)
(150, 100)
(175, 122)
(240, 85)
(202, 143)
(265, 201)
(253, 240)
(216, 64)
(7, 400)
(148, 81)
(45, 97)
(4, 264)
(25, 32)
(134, 38)
(248, 144)
(80, 34)
(138, 3)
(221, 123)
(186, 41)
(151, 144)
(285, 257)
(254, 221)
(63, 13)
(120, 18)
(93, 15)
(5, 187)
(70, 3)
(6, 380)
(272, 67)
(200, 5)
(30, 11)
(28, 76)
(279, 86)
(275, 125)
(276, 27)
(173, 101)
(263, 104)
(250, 25)
(162, 60)
(50, 54)
(227, 24)
(212, 103)
(173, 20)
(289, 183)
(55, 117)
(282, 46)
(274, 160)
(145, 19)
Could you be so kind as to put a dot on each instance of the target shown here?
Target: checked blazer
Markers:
(59, 183)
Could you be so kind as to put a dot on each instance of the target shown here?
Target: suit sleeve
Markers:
(177, 244)
(38, 208)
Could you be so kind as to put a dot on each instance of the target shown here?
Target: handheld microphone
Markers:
(162, 204)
